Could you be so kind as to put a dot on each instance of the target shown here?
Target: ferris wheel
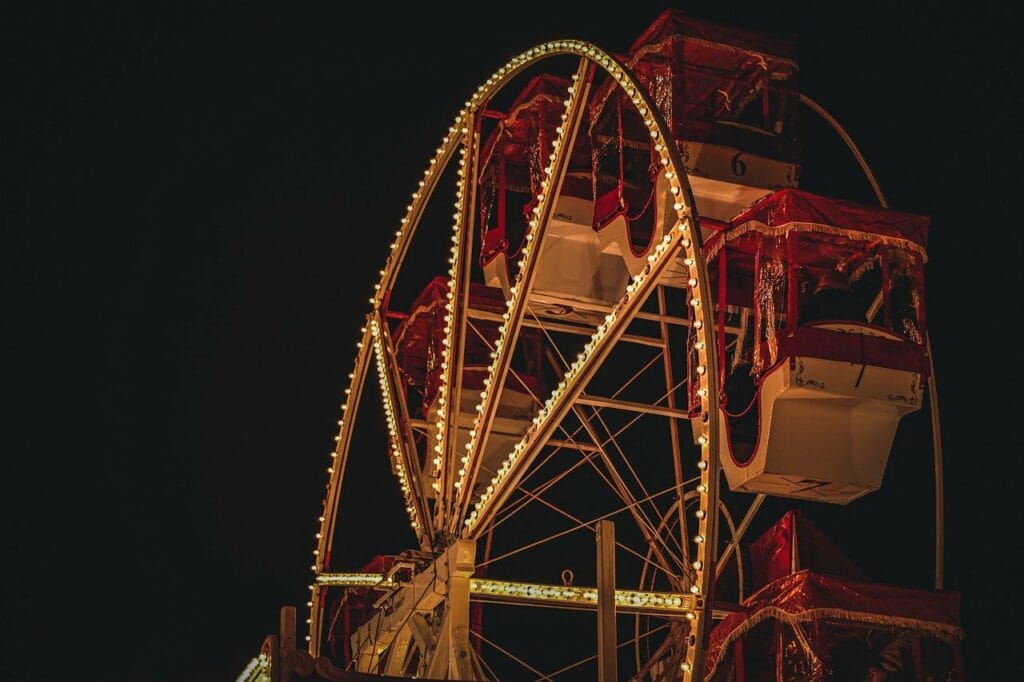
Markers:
(577, 466)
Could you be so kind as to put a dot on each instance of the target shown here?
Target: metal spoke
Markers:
(584, 524)
(626, 385)
(490, 671)
(456, 320)
(564, 404)
(617, 646)
(409, 453)
(618, 485)
(541, 676)
(523, 502)
(571, 441)
(738, 534)
(630, 506)
(513, 508)
(517, 506)
(528, 268)
(636, 509)
(634, 420)
(629, 466)
(565, 328)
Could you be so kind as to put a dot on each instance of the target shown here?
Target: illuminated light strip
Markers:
(335, 471)
(460, 287)
(425, 187)
(410, 453)
(582, 597)
(355, 580)
(394, 442)
(558, 400)
(340, 440)
(247, 673)
(442, 418)
(257, 670)
(397, 249)
(670, 603)
(504, 346)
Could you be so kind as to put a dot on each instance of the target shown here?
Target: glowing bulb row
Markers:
(379, 290)
(566, 594)
(394, 440)
(430, 174)
(257, 670)
(517, 296)
(332, 482)
(660, 251)
(354, 580)
(444, 406)
(666, 601)
(458, 129)
(333, 455)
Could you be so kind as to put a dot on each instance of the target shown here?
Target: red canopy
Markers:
(535, 112)
(794, 543)
(717, 83)
(806, 597)
(513, 159)
(796, 236)
(418, 340)
(799, 211)
(779, 51)
(418, 337)
(804, 581)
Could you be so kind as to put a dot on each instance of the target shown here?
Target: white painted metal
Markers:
(826, 428)
(720, 162)
(571, 261)
(437, 596)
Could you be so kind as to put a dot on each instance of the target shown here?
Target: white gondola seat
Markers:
(830, 393)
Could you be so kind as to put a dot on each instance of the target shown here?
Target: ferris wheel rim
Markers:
(690, 244)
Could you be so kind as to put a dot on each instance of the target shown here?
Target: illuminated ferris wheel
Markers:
(619, 345)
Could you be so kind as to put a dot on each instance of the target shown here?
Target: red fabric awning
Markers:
(775, 253)
(535, 111)
(717, 84)
(672, 23)
(806, 596)
(512, 162)
(795, 543)
(418, 340)
(418, 337)
(799, 211)
(859, 349)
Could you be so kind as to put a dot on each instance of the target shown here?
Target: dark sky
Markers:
(183, 185)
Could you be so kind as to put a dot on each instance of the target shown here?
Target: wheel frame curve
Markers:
(683, 235)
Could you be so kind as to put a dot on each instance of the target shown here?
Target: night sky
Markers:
(197, 198)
